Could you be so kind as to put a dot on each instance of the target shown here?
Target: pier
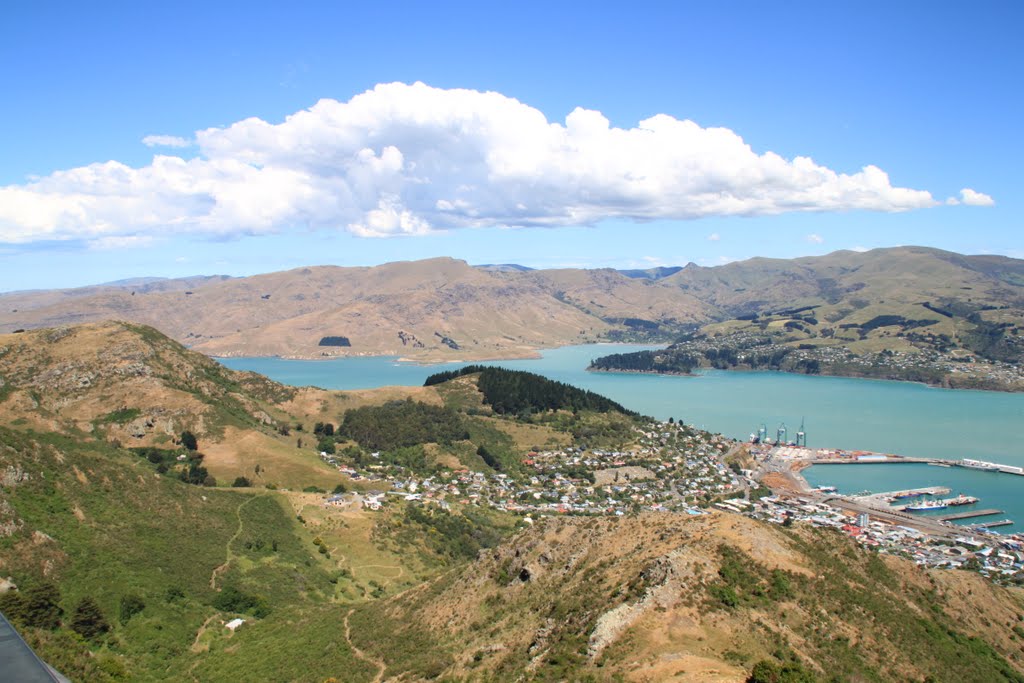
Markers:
(968, 514)
(890, 496)
(913, 493)
(989, 525)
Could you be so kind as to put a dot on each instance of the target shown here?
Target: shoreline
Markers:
(531, 354)
(1001, 389)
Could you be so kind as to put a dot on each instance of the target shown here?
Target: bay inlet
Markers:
(844, 413)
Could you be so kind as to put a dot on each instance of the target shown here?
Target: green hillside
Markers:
(908, 313)
(100, 523)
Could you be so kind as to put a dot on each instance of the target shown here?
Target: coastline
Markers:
(642, 372)
(426, 360)
(1002, 388)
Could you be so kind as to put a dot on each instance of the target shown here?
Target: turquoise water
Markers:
(893, 417)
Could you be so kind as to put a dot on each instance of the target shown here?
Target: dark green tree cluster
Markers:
(401, 424)
(88, 621)
(232, 599)
(188, 440)
(38, 607)
(195, 473)
(166, 461)
(515, 392)
(647, 361)
(489, 458)
(336, 340)
(323, 429)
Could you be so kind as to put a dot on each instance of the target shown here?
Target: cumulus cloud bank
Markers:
(411, 159)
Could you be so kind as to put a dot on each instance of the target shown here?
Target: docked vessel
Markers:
(961, 500)
(979, 465)
(990, 466)
(926, 505)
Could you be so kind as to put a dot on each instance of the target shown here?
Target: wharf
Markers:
(890, 496)
(989, 525)
(969, 514)
(913, 493)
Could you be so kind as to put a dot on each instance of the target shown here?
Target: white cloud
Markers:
(714, 237)
(165, 141)
(121, 242)
(410, 160)
(972, 198)
(859, 249)
(815, 239)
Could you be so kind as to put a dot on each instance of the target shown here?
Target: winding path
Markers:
(362, 655)
(227, 549)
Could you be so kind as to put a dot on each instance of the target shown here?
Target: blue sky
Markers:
(927, 92)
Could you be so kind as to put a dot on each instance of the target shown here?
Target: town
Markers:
(929, 360)
(672, 467)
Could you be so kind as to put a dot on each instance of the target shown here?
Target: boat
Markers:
(961, 500)
(939, 464)
(979, 465)
(925, 505)
(826, 489)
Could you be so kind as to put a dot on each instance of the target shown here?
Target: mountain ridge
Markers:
(445, 309)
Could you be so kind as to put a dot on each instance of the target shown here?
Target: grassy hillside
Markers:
(99, 523)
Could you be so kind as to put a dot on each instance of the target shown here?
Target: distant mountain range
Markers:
(443, 308)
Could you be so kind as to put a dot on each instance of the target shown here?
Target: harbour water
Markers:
(875, 415)
(999, 491)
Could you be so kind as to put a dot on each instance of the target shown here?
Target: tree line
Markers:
(516, 392)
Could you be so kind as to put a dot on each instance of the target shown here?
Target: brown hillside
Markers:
(641, 598)
(444, 309)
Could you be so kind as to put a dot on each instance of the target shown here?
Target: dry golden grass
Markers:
(239, 452)
(527, 436)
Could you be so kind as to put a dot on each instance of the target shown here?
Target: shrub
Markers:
(231, 599)
(39, 606)
(188, 440)
(131, 605)
(88, 620)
